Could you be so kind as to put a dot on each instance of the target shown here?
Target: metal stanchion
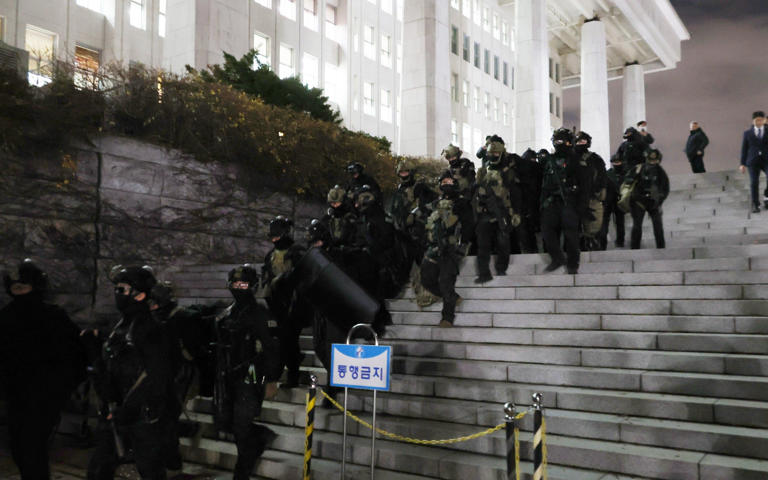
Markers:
(310, 425)
(539, 461)
(512, 454)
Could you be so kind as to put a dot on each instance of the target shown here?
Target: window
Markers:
(287, 62)
(478, 140)
(496, 27)
(551, 69)
(487, 104)
(477, 99)
(386, 50)
(505, 113)
(551, 104)
(330, 14)
(476, 16)
(557, 72)
(496, 67)
(466, 136)
(41, 46)
(487, 58)
(505, 33)
(310, 70)
(137, 15)
(399, 57)
(466, 8)
(557, 107)
(369, 108)
(454, 39)
(400, 11)
(310, 14)
(506, 73)
(264, 3)
(162, 10)
(95, 5)
(369, 46)
(454, 132)
(386, 106)
(477, 55)
(465, 48)
(2, 28)
(486, 19)
(455, 87)
(386, 6)
(495, 109)
(465, 93)
(333, 82)
(86, 67)
(512, 76)
(455, 4)
(288, 9)
(264, 52)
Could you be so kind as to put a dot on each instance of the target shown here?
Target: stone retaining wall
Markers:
(125, 201)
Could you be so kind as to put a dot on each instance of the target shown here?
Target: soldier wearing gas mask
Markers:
(357, 178)
(463, 172)
(134, 380)
(247, 369)
(280, 292)
(650, 190)
(497, 206)
(565, 192)
(41, 363)
(445, 249)
(598, 179)
(615, 177)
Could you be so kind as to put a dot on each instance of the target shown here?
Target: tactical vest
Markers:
(442, 229)
(236, 349)
(122, 359)
(649, 182)
(278, 262)
(403, 202)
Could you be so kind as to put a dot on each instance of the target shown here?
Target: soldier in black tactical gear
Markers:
(292, 314)
(445, 250)
(497, 201)
(247, 369)
(341, 218)
(530, 183)
(134, 380)
(41, 363)
(482, 152)
(463, 172)
(416, 224)
(565, 194)
(650, 191)
(632, 149)
(615, 178)
(357, 179)
(403, 199)
(590, 235)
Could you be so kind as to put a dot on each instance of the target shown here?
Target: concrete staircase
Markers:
(652, 363)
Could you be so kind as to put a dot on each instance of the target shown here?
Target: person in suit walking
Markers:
(754, 157)
(694, 147)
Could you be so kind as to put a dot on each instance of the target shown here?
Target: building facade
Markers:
(423, 73)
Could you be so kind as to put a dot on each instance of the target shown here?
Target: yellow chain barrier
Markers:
(417, 441)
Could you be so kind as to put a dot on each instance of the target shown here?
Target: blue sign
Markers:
(360, 366)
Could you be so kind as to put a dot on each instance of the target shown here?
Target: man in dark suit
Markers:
(694, 147)
(754, 157)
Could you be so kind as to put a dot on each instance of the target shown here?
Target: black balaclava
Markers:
(243, 273)
(27, 273)
(281, 227)
(582, 149)
(141, 280)
(449, 190)
(562, 140)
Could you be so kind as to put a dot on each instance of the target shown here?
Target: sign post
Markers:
(365, 367)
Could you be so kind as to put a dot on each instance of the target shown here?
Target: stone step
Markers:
(599, 292)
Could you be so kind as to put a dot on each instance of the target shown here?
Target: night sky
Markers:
(721, 79)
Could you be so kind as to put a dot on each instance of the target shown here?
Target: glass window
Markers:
(86, 67)
(557, 72)
(477, 55)
(369, 108)
(288, 9)
(504, 33)
(400, 10)
(506, 73)
(486, 19)
(466, 136)
(454, 39)
(495, 109)
(487, 104)
(551, 69)
(334, 81)
(496, 67)
(477, 99)
(455, 4)
(466, 8)
(496, 27)
(478, 140)
(264, 52)
(2, 28)
(310, 14)
(287, 62)
(264, 3)
(551, 104)
(386, 50)
(95, 5)
(465, 48)
(487, 61)
(162, 10)
(512, 76)
(465, 93)
(369, 45)
(330, 14)
(454, 132)
(476, 12)
(557, 107)
(310, 70)
(505, 113)
(386, 6)
(455, 87)
(41, 46)
(386, 106)
(137, 15)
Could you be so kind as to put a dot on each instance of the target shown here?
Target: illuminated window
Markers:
(288, 9)
(330, 14)
(386, 6)
(287, 62)
(369, 107)
(486, 19)
(487, 104)
(369, 45)
(137, 15)
(477, 99)
(161, 17)
(465, 93)
(496, 29)
(95, 5)
(386, 50)
(504, 33)
(310, 70)
(386, 106)
(334, 82)
(476, 11)
(41, 46)
(478, 140)
(496, 109)
(454, 132)
(466, 8)
(455, 87)
(262, 46)
(264, 3)
(310, 14)
(505, 113)
(455, 4)
(86, 67)
(466, 136)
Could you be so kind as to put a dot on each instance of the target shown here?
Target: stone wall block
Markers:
(32, 197)
(60, 239)
(119, 206)
(131, 175)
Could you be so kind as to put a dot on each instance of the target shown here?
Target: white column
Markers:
(532, 122)
(426, 103)
(594, 87)
(633, 95)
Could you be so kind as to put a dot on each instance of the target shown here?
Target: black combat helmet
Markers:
(496, 151)
(529, 155)
(317, 231)
(162, 294)
(585, 138)
(27, 273)
(355, 168)
(448, 184)
(630, 133)
(243, 273)
(562, 136)
(365, 198)
(280, 227)
(653, 155)
(141, 279)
